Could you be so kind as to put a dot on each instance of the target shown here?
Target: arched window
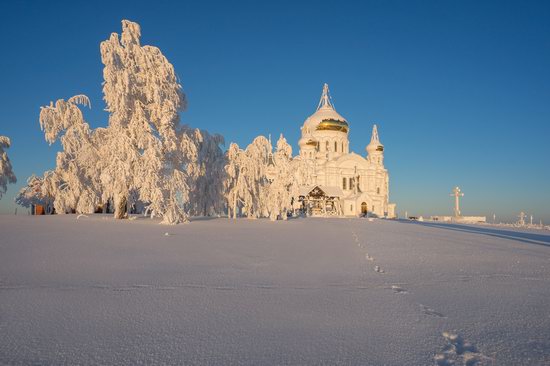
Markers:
(335, 146)
(326, 146)
(377, 190)
(344, 183)
(342, 146)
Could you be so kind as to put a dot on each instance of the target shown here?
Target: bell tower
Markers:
(375, 149)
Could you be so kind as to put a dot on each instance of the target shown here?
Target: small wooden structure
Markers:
(38, 210)
(321, 201)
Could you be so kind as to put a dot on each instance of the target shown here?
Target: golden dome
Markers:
(333, 125)
(325, 117)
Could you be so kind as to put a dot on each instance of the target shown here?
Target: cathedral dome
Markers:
(325, 118)
(375, 145)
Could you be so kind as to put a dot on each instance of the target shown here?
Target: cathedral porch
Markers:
(321, 201)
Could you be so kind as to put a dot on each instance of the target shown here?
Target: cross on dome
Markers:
(326, 99)
(374, 138)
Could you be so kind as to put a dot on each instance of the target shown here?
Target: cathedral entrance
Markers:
(364, 208)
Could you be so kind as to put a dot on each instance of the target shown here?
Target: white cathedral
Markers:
(340, 182)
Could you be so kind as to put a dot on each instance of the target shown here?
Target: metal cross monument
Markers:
(457, 193)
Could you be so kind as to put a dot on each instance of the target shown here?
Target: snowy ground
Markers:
(306, 291)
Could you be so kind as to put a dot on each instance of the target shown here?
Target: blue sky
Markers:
(460, 90)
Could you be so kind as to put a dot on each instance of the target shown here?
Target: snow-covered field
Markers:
(250, 292)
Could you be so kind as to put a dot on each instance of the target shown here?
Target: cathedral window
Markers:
(377, 190)
(342, 146)
(351, 183)
(335, 146)
(344, 183)
(326, 146)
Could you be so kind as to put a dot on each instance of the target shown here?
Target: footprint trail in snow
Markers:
(458, 351)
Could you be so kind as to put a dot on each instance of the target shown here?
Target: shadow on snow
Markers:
(529, 238)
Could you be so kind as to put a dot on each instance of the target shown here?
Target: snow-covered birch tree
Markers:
(261, 183)
(6, 170)
(144, 156)
(249, 171)
(147, 150)
(207, 193)
(74, 182)
(234, 179)
(255, 177)
(282, 183)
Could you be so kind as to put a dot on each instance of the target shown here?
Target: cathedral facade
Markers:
(340, 182)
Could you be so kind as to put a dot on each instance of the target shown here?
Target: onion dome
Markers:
(375, 145)
(326, 117)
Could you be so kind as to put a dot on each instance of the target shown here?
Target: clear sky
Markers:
(460, 90)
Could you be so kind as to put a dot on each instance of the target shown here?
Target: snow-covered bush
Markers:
(6, 170)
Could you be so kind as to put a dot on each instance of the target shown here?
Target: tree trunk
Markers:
(235, 206)
(120, 207)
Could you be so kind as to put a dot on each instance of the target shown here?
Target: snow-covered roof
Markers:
(330, 191)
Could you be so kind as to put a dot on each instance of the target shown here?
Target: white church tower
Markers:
(375, 149)
(341, 183)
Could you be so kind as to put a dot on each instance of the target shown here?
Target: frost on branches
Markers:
(207, 193)
(6, 170)
(283, 185)
(149, 152)
(247, 182)
(144, 157)
(260, 183)
(73, 183)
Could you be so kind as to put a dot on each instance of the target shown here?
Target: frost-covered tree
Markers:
(148, 151)
(34, 193)
(260, 183)
(282, 186)
(144, 157)
(234, 179)
(255, 169)
(207, 193)
(74, 183)
(6, 170)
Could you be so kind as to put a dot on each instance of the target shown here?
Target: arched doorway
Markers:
(364, 208)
